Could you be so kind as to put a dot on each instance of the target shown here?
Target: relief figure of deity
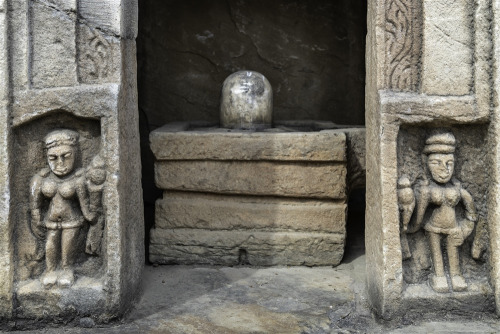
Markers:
(64, 201)
(436, 199)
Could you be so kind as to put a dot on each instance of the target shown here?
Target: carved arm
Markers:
(468, 201)
(35, 204)
(83, 199)
(422, 203)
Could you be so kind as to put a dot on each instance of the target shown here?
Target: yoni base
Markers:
(276, 197)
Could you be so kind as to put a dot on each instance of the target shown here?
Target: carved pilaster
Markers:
(402, 44)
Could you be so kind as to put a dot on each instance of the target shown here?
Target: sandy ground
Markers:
(229, 300)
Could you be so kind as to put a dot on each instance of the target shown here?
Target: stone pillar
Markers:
(428, 103)
(71, 199)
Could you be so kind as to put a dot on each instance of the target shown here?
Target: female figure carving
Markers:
(441, 194)
(59, 204)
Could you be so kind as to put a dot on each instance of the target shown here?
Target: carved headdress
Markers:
(440, 142)
(61, 137)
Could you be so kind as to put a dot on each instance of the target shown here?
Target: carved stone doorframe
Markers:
(68, 87)
(430, 64)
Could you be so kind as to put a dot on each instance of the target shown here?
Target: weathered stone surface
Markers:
(6, 240)
(102, 14)
(81, 300)
(478, 298)
(427, 71)
(447, 47)
(18, 47)
(312, 54)
(98, 55)
(289, 179)
(494, 194)
(200, 246)
(356, 157)
(79, 197)
(175, 142)
(212, 212)
(53, 31)
(311, 180)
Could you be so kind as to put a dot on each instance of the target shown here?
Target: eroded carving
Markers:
(95, 55)
(63, 201)
(400, 45)
(436, 198)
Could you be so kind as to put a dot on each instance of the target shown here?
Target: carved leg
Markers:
(68, 250)
(437, 256)
(457, 281)
(405, 247)
(438, 281)
(52, 246)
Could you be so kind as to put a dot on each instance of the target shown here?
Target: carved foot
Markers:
(66, 278)
(439, 283)
(49, 279)
(458, 283)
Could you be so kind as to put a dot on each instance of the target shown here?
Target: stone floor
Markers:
(230, 300)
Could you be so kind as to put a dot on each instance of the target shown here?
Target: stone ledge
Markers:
(189, 246)
(218, 212)
(86, 297)
(477, 298)
(311, 180)
(174, 142)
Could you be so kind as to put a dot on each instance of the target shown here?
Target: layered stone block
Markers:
(72, 217)
(226, 212)
(199, 246)
(276, 197)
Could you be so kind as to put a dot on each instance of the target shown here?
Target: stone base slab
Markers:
(477, 298)
(85, 298)
(188, 246)
(216, 212)
(263, 178)
(175, 141)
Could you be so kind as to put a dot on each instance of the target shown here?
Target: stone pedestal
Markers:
(71, 201)
(432, 101)
(232, 197)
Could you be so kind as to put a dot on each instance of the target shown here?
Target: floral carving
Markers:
(400, 45)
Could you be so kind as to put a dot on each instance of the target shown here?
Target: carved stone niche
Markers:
(442, 197)
(52, 206)
(429, 69)
(61, 199)
(71, 222)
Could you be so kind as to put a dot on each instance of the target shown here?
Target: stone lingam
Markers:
(247, 192)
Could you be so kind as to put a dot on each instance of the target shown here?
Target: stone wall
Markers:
(312, 52)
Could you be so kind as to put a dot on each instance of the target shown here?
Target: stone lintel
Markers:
(188, 246)
(215, 212)
(175, 143)
(303, 180)
(417, 108)
(31, 104)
